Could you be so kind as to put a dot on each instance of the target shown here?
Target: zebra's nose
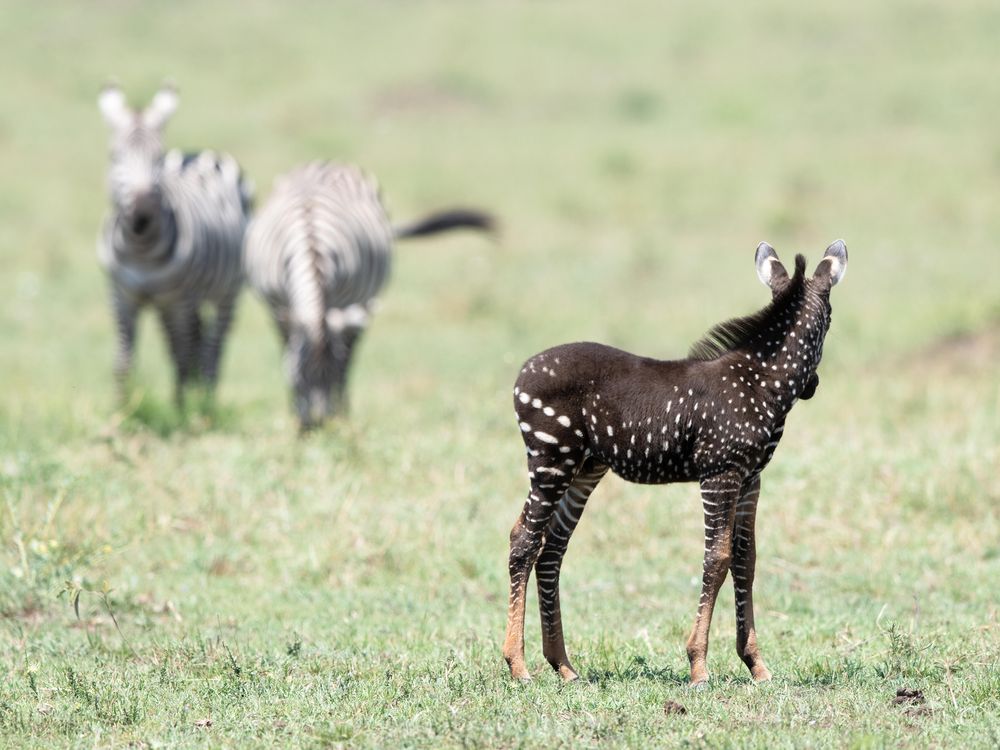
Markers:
(140, 221)
(143, 212)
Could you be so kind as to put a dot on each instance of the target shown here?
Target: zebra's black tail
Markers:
(442, 221)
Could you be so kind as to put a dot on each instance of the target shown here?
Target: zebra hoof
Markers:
(567, 673)
(518, 671)
(763, 674)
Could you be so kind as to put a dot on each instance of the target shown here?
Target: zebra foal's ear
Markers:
(164, 104)
(111, 102)
(834, 263)
(769, 269)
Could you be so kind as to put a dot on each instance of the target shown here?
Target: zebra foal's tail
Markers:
(443, 221)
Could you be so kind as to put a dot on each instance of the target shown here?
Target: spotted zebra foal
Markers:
(318, 253)
(173, 239)
(714, 418)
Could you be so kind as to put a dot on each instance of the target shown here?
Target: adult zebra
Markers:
(173, 239)
(318, 253)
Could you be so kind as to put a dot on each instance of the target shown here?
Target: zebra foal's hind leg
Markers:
(526, 540)
(557, 534)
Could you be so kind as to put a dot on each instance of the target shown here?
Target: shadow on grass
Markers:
(200, 413)
(827, 673)
(636, 669)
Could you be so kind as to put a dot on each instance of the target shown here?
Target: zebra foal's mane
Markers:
(733, 334)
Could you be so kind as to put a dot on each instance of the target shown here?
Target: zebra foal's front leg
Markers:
(719, 497)
(744, 561)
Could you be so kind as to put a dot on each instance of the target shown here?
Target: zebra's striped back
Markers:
(322, 242)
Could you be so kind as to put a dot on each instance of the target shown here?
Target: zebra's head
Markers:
(136, 151)
(312, 370)
(810, 311)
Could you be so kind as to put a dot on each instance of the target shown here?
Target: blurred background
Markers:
(635, 153)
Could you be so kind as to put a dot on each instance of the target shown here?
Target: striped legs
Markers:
(548, 485)
(183, 328)
(126, 313)
(345, 324)
(744, 558)
(211, 348)
(557, 534)
(343, 352)
(719, 497)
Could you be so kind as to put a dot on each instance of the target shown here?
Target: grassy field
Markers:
(349, 589)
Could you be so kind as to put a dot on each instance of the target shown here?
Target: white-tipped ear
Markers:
(836, 256)
(164, 104)
(111, 102)
(768, 265)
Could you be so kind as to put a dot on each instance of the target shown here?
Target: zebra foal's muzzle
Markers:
(809, 390)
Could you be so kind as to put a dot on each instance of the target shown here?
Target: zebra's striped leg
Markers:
(744, 560)
(211, 348)
(526, 540)
(126, 313)
(557, 534)
(183, 330)
(343, 356)
(719, 497)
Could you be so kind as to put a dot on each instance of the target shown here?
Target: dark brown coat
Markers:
(715, 418)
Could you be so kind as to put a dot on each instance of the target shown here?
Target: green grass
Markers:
(349, 589)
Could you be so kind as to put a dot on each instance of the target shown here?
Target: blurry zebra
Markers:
(173, 239)
(318, 252)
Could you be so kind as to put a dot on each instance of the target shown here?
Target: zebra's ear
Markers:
(834, 263)
(769, 269)
(164, 104)
(111, 102)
